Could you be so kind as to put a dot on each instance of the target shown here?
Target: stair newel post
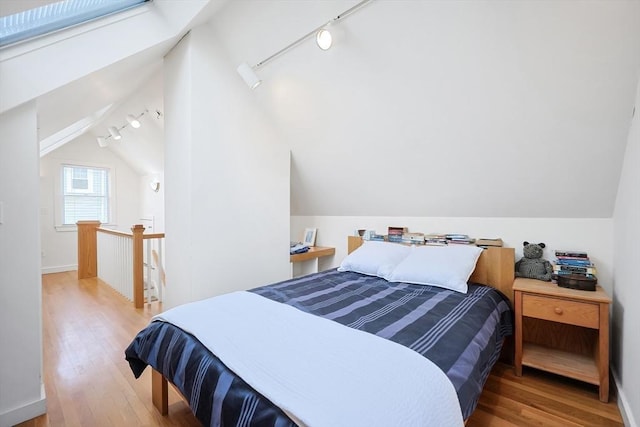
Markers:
(138, 275)
(87, 249)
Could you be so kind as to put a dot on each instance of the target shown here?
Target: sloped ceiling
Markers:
(89, 77)
(421, 108)
(440, 108)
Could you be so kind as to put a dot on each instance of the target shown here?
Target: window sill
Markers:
(72, 227)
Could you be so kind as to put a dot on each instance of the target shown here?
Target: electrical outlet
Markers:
(42, 254)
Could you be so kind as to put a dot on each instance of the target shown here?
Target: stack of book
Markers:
(413, 238)
(486, 243)
(435, 239)
(459, 239)
(394, 234)
(573, 262)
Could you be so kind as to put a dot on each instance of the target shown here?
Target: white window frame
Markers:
(59, 194)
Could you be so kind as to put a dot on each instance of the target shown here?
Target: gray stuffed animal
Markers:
(532, 265)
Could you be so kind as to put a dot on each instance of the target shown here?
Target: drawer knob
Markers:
(558, 310)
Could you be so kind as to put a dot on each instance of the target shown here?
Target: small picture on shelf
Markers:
(310, 236)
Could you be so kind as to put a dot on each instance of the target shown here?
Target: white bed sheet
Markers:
(319, 372)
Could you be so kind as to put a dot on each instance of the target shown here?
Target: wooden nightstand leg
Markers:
(518, 352)
(603, 352)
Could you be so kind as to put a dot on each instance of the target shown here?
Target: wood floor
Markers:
(88, 383)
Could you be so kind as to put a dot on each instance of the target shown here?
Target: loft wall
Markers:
(626, 292)
(22, 393)
(226, 174)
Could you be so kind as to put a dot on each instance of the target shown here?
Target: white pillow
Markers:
(375, 258)
(448, 267)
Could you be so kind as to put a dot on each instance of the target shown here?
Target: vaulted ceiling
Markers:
(422, 108)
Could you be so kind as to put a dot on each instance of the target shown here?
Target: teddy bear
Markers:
(532, 265)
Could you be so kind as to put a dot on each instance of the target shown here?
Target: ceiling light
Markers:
(102, 142)
(115, 133)
(324, 39)
(135, 123)
(248, 75)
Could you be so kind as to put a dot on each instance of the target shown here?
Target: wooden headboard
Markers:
(495, 267)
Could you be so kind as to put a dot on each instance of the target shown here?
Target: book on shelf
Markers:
(468, 241)
(432, 242)
(584, 262)
(451, 236)
(575, 268)
(572, 257)
(572, 254)
(485, 242)
(394, 234)
(413, 238)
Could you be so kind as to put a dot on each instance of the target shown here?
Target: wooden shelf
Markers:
(313, 253)
(572, 365)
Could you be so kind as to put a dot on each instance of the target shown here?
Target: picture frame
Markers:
(309, 237)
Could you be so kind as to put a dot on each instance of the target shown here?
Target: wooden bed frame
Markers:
(495, 268)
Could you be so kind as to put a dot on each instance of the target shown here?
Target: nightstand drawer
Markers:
(561, 310)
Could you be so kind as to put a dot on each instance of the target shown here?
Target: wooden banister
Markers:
(87, 249)
(138, 273)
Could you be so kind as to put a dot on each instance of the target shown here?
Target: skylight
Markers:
(55, 16)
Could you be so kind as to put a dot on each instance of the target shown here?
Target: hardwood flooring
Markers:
(87, 326)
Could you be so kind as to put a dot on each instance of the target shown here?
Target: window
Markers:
(55, 16)
(85, 194)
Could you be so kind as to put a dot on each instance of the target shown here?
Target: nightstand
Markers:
(564, 331)
(309, 262)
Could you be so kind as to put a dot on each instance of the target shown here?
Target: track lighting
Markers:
(324, 39)
(115, 133)
(248, 75)
(135, 123)
(323, 36)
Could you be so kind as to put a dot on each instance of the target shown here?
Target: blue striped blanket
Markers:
(462, 334)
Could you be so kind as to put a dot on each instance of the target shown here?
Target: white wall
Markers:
(227, 178)
(626, 290)
(59, 248)
(21, 392)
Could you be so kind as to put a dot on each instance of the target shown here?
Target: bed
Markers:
(460, 333)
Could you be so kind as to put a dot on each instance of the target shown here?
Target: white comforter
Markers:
(319, 372)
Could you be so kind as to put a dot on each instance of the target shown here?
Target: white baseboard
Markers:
(26, 412)
(623, 403)
(59, 269)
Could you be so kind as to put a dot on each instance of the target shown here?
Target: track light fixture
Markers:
(248, 75)
(323, 36)
(324, 40)
(135, 123)
(114, 131)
